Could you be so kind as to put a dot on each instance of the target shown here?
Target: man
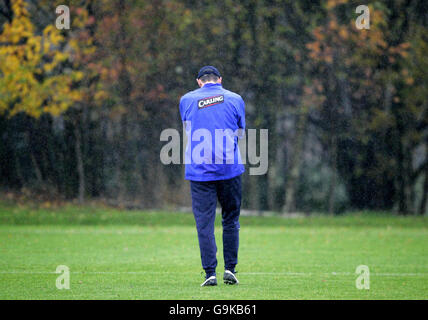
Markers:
(215, 117)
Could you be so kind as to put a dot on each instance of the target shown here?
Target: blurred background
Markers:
(82, 109)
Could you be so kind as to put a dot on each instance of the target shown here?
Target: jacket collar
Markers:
(208, 85)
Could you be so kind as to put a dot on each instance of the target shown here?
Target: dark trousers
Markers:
(204, 202)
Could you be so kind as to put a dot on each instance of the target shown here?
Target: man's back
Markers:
(213, 116)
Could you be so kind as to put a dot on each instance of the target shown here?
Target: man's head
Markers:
(208, 74)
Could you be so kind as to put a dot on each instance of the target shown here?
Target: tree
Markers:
(30, 81)
(42, 73)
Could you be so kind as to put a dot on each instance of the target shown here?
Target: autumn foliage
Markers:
(81, 110)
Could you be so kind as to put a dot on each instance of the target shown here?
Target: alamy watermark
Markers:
(63, 20)
(363, 279)
(63, 281)
(198, 147)
(363, 20)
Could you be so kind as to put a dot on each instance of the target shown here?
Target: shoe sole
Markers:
(230, 279)
(209, 283)
(230, 282)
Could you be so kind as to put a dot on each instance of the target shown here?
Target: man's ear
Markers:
(199, 83)
(219, 80)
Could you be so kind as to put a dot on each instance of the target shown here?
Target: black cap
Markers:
(208, 70)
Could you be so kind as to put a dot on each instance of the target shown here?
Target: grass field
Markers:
(115, 254)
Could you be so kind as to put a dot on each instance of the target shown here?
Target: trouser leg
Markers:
(229, 195)
(204, 201)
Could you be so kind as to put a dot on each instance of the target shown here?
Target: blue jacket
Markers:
(212, 117)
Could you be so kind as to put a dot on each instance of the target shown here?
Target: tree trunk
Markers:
(37, 170)
(296, 162)
(424, 200)
(401, 178)
(79, 159)
(263, 193)
(34, 162)
(333, 181)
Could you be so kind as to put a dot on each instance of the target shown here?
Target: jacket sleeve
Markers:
(241, 118)
(182, 108)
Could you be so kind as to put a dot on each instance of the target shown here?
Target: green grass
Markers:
(114, 254)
